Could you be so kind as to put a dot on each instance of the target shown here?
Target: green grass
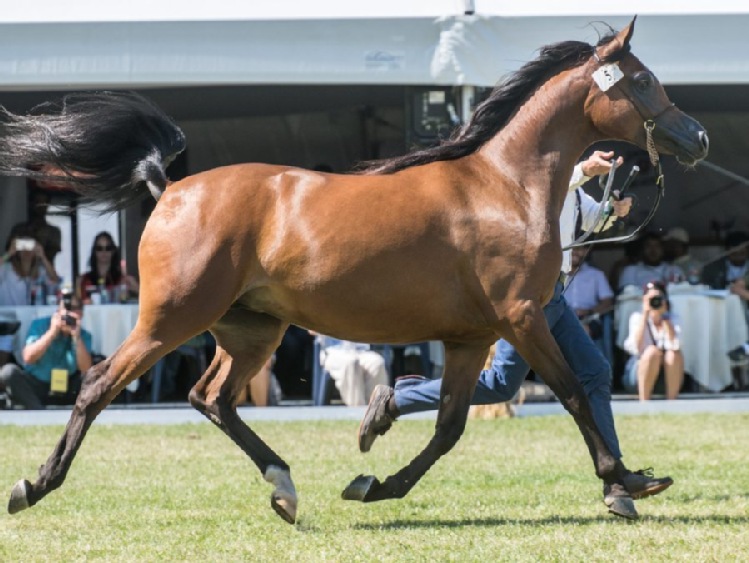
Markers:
(517, 490)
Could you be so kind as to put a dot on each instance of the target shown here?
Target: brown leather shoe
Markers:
(619, 501)
(376, 419)
(643, 483)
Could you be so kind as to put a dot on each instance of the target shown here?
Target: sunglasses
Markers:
(107, 248)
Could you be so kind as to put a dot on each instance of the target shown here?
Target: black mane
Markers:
(495, 112)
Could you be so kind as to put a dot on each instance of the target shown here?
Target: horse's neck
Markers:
(538, 148)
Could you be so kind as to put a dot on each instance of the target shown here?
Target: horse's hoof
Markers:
(285, 507)
(19, 497)
(623, 507)
(283, 498)
(359, 488)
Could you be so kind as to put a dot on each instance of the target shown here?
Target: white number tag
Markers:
(607, 76)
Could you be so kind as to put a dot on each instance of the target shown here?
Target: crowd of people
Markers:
(58, 344)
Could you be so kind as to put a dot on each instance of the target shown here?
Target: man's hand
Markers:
(622, 206)
(599, 163)
(57, 323)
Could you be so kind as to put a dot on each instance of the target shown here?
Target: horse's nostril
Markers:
(704, 141)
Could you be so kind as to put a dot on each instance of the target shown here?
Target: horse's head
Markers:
(626, 101)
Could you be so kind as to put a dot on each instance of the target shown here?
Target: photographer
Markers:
(23, 266)
(57, 350)
(653, 342)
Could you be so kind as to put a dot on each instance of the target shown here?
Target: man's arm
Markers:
(34, 350)
(597, 164)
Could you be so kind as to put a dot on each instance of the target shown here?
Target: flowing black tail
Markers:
(111, 147)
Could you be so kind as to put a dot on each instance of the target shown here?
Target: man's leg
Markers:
(22, 388)
(594, 372)
(495, 385)
(591, 368)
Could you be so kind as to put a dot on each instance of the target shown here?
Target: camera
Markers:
(67, 299)
(25, 244)
(69, 319)
(656, 301)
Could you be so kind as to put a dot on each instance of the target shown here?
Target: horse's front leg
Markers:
(462, 366)
(530, 334)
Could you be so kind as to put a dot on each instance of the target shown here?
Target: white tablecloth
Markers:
(712, 323)
(109, 325)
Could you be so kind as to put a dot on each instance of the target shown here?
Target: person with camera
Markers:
(24, 267)
(653, 342)
(57, 351)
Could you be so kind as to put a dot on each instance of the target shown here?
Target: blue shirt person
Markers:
(59, 354)
(57, 349)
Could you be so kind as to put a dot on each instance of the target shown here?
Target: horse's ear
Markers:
(620, 41)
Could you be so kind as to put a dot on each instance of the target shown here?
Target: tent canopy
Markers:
(141, 43)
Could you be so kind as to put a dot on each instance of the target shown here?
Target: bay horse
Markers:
(458, 243)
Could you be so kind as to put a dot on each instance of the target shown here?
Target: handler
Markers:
(509, 370)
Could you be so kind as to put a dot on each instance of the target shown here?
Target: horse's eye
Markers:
(643, 81)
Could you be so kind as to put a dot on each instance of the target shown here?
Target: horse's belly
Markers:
(385, 312)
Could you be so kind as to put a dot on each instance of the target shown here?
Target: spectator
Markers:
(653, 342)
(676, 252)
(732, 273)
(57, 350)
(105, 270)
(354, 367)
(37, 226)
(631, 257)
(588, 293)
(24, 268)
(651, 266)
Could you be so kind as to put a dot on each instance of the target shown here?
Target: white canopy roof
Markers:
(47, 44)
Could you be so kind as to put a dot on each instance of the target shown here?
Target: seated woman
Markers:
(355, 369)
(25, 268)
(105, 269)
(653, 341)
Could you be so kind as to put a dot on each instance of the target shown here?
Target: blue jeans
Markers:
(509, 370)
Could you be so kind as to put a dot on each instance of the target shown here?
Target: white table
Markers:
(109, 325)
(712, 323)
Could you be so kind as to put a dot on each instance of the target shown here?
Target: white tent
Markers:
(47, 44)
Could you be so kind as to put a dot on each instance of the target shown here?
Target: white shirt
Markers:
(653, 336)
(589, 208)
(14, 290)
(588, 288)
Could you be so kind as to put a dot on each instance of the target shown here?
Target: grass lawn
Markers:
(511, 490)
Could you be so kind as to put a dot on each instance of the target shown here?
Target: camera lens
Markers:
(656, 301)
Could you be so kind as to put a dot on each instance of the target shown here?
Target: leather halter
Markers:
(649, 124)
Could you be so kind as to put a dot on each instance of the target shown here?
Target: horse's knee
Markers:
(94, 385)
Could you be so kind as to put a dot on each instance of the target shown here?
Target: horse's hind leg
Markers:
(245, 340)
(100, 386)
(462, 366)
